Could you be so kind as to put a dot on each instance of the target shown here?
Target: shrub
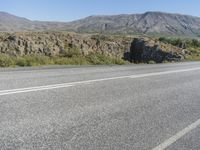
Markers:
(151, 62)
(22, 62)
(119, 61)
(165, 61)
(6, 61)
(172, 41)
(99, 37)
(194, 57)
(35, 60)
(97, 59)
(71, 52)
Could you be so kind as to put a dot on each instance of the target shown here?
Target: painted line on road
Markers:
(55, 86)
(164, 73)
(177, 136)
(64, 85)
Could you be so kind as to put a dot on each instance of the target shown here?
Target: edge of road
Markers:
(49, 67)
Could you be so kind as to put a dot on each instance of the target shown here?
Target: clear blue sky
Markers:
(67, 10)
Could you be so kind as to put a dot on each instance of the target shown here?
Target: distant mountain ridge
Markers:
(147, 23)
(12, 23)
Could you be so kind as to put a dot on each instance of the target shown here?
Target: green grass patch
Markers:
(74, 59)
(6, 61)
(193, 57)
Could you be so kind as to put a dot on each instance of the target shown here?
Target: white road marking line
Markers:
(54, 86)
(33, 89)
(64, 85)
(164, 72)
(177, 136)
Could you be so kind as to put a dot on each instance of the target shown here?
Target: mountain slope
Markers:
(10, 22)
(13, 23)
(147, 23)
(150, 22)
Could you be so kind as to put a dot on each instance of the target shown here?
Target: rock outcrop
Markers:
(56, 43)
(147, 49)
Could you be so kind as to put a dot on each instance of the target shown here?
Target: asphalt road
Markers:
(133, 107)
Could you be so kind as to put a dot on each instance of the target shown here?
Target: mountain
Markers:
(147, 23)
(14, 23)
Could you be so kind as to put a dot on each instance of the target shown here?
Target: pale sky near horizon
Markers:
(68, 10)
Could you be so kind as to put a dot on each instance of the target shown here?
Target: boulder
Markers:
(146, 49)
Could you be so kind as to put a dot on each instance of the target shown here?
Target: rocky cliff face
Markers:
(53, 44)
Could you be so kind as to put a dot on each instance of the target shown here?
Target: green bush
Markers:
(100, 37)
(172, 41)
(165, 62)
(36, 60)
(193, 43)
(194, 50)
(71, 52)
(193, 57)
(97, 59)
(6, 61)
(151, 62)
(119, 61)
(22, 62)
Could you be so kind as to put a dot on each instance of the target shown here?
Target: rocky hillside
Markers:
(150, 22)
(67, 45)
(147, 23)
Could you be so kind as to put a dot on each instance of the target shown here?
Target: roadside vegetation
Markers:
(72, 55)
(68, 59)
(191, 45)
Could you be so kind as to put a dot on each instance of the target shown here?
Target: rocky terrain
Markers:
(67, 45)
(148, 49)
(147, 23)
(57, 44)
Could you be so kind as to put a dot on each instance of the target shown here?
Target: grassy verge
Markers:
(34, 60)
(193, 58)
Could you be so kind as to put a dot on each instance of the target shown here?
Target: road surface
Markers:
(131, 107)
